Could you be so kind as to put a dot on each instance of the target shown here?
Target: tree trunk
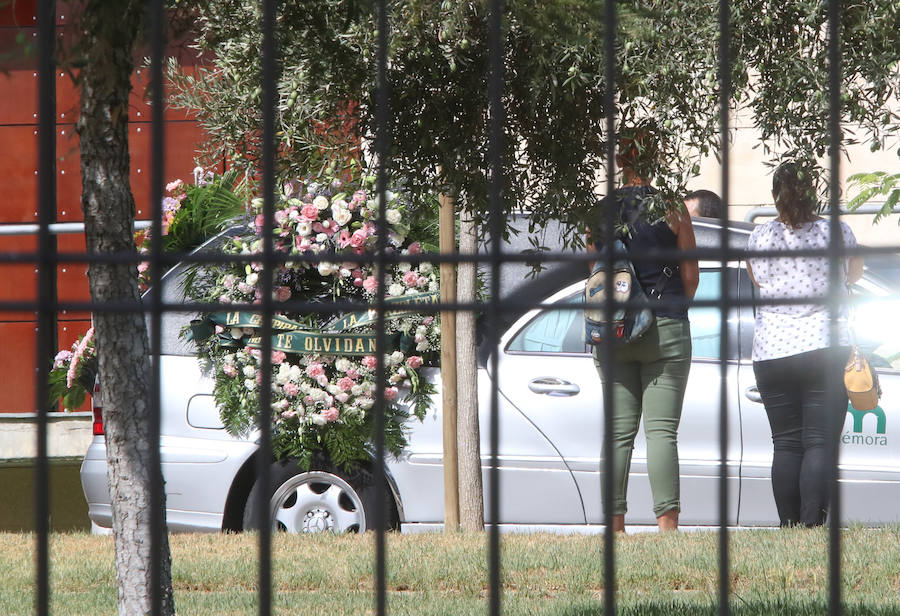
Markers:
(108, 32)
(471, 494)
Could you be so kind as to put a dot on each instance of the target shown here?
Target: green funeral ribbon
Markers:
(291, 337)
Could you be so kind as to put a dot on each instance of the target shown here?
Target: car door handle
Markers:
(553, 386)
(752, 393)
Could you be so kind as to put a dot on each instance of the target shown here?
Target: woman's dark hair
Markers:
(795, 196)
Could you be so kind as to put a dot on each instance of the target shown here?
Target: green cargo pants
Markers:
(649, 378)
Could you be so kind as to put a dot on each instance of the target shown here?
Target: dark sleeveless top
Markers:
(645, 237)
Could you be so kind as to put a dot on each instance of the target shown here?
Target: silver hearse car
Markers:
(550, 418)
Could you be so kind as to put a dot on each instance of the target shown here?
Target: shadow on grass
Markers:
(760, 607)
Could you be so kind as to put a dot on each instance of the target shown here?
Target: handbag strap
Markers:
(664, 276)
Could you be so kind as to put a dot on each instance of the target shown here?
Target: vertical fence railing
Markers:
(606, 352)
(156, 28)
(836, 258)
(46, 290)
(724, 143)
(47, 303)
(268, 77)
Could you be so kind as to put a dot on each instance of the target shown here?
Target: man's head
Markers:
(704, 203)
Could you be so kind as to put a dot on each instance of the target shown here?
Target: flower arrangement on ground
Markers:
(73, 373)
(323, 365)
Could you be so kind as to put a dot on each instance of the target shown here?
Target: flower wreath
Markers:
(323, 367)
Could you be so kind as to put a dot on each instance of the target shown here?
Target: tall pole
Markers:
(447, 237)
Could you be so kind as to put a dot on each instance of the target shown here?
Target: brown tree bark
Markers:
(471, 494)
(108, 31)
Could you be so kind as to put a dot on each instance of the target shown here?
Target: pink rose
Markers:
(330, 414)
(428, 320)
(415, 248)
(291, 389)
(411, 278)
(281, 216)
(309, 211)
(322, 380)
(357, 282)
(342, 397)
(315, 369)
(229, 370)
(308, 400)
(390, 393)
(353, 373)
(282, 294)
(370, 284)
(173, 186)
(414, 361)
(369, 362)
(259, 221)
(345, 383)
(278, 357)
(358, 239)
(289, 414)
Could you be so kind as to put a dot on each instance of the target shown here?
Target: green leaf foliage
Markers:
(554, 143)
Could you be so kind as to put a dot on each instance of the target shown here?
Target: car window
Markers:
(706, 321)
(553, 331)
(871, 322)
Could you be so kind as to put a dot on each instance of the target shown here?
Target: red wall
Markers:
(18, 173)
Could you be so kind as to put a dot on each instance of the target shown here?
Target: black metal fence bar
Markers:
(495, 107)
(382, 152)
(268, 77)
(156, 22)
(835, 261)
(724, 115)
(609, 100)
(46, 290)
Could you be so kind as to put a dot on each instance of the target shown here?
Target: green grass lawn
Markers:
(772, 573)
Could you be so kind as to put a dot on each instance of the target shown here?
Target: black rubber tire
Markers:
(361, 486)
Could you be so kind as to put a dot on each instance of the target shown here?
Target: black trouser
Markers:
(806, 426)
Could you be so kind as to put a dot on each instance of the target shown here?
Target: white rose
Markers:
(334, 389)
(433, 286)
(295, 373)
(404, 267)
(396, 358)
(317, 419)
(345, 273)
(396, 378)
(343, 217)
(395, 289)
(252, 278)
(326, 269)
(250, 384)
(422, 346)
(365, 403)
(317, 394)
(357, 389)
(342, 364)
(392, 216)
(425, 268)
(321, 203)
(283, 371)
(321, 237)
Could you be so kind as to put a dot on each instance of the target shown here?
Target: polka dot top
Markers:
(784, 330)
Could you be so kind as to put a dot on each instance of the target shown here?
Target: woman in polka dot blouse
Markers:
(792, 359)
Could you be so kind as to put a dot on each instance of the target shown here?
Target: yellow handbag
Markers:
(861, 382)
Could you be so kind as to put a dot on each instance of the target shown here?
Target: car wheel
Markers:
(318, 501)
